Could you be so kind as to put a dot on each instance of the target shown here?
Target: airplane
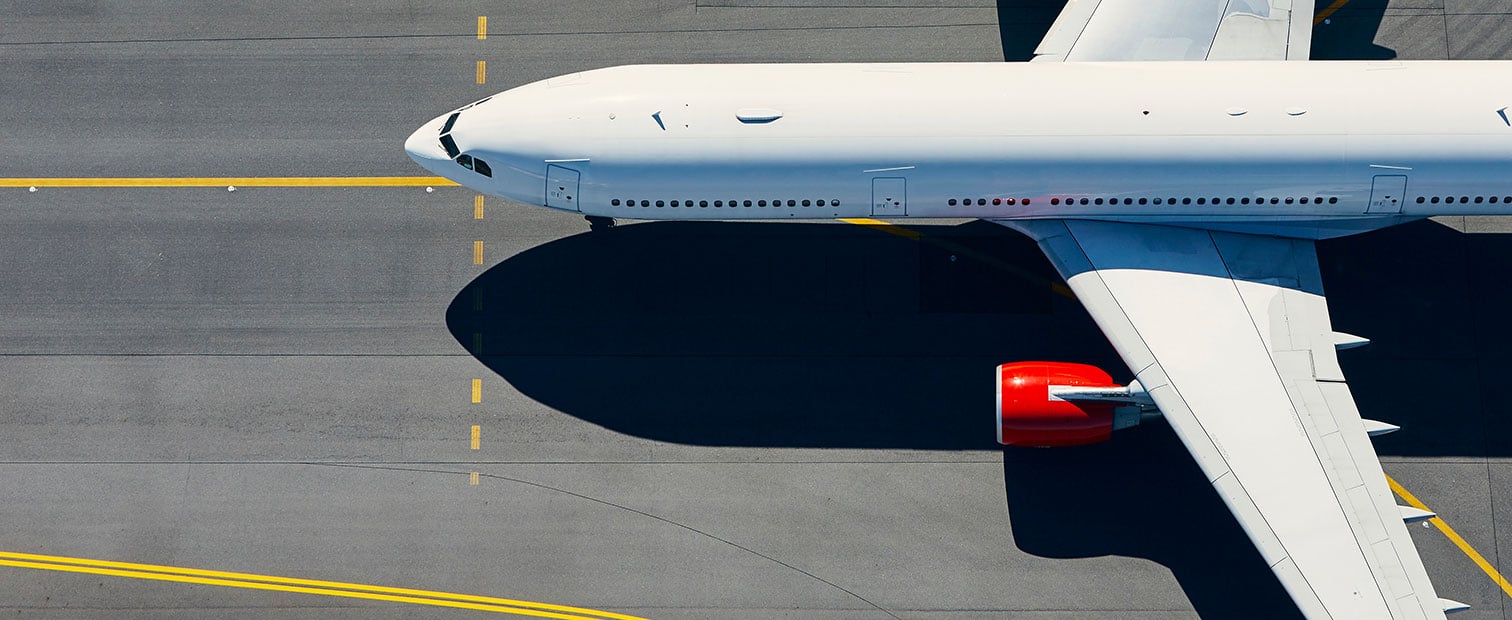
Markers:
(1176, 160)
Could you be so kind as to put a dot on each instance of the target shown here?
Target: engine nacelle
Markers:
(1053, 404)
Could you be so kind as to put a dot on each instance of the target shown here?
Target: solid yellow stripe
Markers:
(482, 27)
(1055, 287)
(352, 590)
(226, 181)
(1455, 538)
(891, 229)
(1322, 15)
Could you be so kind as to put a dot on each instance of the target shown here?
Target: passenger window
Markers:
(792, 203)
(747, 203)
(614, 202)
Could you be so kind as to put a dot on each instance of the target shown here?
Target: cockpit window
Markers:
(481, 167)
(450, 145)
(450, 120)
(474, 103)
(466, 161)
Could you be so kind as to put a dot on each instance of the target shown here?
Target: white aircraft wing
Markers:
(1105, 30)
(1229, 334)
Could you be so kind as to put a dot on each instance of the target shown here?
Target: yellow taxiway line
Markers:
(1454, 537)
(304, 586)
(1323, 14)
(227, 182)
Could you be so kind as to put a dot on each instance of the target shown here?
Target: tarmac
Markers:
(667, 420)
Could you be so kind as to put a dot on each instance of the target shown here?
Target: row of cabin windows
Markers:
(732, 203)
(1169, 201)
(1464, 199)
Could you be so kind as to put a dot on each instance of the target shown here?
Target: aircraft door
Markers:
(1386, 194)
(889, 197)
(561, 188)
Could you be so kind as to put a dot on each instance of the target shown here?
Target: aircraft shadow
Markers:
(820, 335)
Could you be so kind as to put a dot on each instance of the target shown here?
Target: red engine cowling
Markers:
(1028, 417)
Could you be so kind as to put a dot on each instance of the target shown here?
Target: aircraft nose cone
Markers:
(424, 146)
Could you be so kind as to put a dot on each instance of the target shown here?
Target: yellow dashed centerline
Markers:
(472, 479)
(482, 72)
(1455, 538)
(477, 390)
(477, 432)
(226, 182)
(482, 27)
(478, 207)
(251, 581)
(477, 252)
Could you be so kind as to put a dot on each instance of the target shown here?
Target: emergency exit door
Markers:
(889, 197)
(1386, 194)
(561, 188)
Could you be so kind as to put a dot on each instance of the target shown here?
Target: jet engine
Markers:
(1053, 404)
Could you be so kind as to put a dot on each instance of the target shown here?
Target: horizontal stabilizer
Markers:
(1452, 606)
(1376, 428)
(1348, 341)
(1413, 515)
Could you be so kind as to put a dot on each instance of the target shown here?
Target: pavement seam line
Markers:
(642, 513)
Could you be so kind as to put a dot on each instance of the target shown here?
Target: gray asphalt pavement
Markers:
(676, 420)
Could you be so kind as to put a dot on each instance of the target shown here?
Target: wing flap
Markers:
(1116, 30)
(1230, 335)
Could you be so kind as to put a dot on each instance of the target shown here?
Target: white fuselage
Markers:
(1308, 149)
